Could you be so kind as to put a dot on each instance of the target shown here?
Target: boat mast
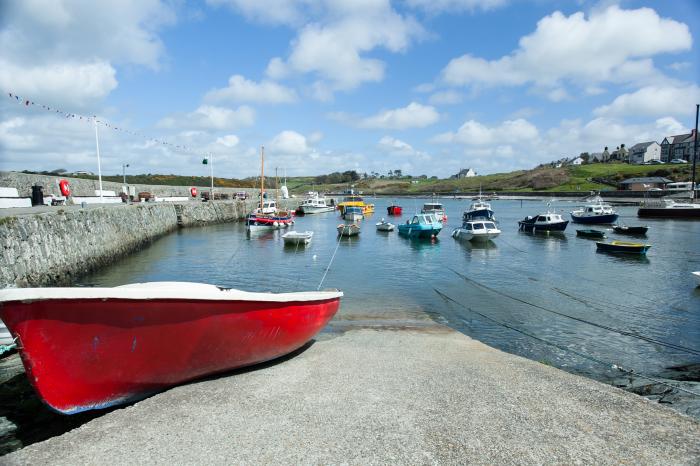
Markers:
(693, 186)
(262, 175)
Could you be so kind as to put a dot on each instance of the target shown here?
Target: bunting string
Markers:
(25, 102)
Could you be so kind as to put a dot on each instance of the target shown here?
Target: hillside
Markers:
(599, 177)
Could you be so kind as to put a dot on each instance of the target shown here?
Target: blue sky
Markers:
(428, 87)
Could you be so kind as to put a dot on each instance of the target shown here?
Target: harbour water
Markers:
(641, 313)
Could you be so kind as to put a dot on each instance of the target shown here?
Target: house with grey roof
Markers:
(465, 173)
(644, 183)
(678, 147)
(645, 152)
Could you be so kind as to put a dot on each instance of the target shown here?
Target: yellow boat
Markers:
(353, 200)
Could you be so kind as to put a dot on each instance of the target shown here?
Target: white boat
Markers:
(596, 212)
(314, 204)
(478, 210)
(353, 213)
(348, 229)
(697, 277)
(298, 237)
(477, 230)
(385, 226)
(436, 209)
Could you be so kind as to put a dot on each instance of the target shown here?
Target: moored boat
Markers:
(477, 230)
(436, 209)
(590, 233)
(266, 216)
(314, 204)
(394, 209)
(353, 200)
(543, 222)
(478, 210)
(385, 226)
(90, 348)
(697, 277)
(421, 226)
(348, 229)
(623, 247)
(353, 213)
(669, 209)
(298, 237)
(597, 212)
(630, 230)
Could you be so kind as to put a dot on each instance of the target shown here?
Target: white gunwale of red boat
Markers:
(162, 290)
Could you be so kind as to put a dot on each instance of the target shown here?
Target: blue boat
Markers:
(421, 226)
(597, 212)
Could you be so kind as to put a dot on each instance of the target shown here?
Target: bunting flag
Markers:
(93, 119)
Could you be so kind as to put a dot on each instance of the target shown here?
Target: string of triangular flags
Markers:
(90, 119)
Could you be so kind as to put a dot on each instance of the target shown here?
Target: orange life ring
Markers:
(64, 187)
(193, 191)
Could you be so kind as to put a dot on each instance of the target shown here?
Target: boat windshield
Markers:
(490, 225)
(478, 226)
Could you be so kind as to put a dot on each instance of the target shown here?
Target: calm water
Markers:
(385, 276)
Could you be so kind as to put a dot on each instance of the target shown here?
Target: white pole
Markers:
(211, 167)
(99, 165)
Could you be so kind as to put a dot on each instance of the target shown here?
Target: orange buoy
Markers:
(64, 187)
(193, 191)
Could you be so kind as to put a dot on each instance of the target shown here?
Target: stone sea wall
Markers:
(82, 187)
(55, 247)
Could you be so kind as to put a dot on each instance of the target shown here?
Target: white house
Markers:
(644, 152)
(577, 161)
(465, 173)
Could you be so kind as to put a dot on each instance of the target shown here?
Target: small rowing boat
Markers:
(623, 247)
(385, 226)
(348, 229)
(590, 233)
(91, 348)
(630, 230)
(297, 237)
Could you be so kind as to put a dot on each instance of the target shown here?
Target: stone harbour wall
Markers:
(82, 187)
(57, 246)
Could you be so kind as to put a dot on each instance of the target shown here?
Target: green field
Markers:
(598, 177)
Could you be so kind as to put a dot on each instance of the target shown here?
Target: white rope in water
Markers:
(340, 236)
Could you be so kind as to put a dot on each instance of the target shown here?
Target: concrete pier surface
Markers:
(420, 394)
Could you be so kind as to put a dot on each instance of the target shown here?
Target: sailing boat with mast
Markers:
(266, 216)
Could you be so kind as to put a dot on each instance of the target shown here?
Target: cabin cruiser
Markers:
(314, 204)
(421, 226)
(436, 209)
(353, 200)
(477, 230)
(595, 212)
(543, 222)
(479, 210)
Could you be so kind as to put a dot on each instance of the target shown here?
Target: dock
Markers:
(368, 393)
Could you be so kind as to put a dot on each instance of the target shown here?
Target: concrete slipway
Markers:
(414, 394)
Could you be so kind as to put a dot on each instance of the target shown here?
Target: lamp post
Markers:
(126, 187)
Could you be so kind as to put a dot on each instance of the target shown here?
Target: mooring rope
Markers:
(564, 348)
(340, 236)
(578, 319)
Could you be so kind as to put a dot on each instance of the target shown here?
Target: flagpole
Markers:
(211, 168)
(99, 164)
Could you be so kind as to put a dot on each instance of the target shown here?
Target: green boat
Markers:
(590, 233)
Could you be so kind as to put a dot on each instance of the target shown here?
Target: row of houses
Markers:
(679, 147)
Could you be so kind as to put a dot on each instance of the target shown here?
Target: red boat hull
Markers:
(394, 210)
(82, 354)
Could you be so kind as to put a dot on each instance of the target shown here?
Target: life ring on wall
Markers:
(64, 187)
(193, 191)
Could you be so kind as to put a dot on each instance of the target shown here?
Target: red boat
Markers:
(90, 348)
(394, 209)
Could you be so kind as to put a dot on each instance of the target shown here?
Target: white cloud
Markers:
(209, 117)
(332, 48)
(72, 45)
(240, 89)
(611, 45)
(414, 115)
(393, 146)
(654, 101)
(448, 97)
(77, 83)
(289, 142)
(230, 140)
(473, 133)
(442, 6)
(269, 11)
(680, 65)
